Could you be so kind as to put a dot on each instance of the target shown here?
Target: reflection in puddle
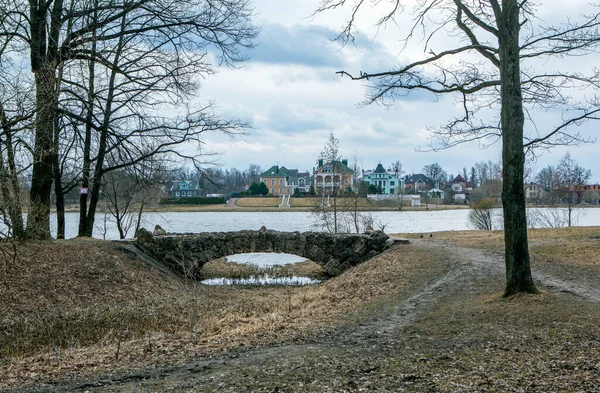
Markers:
(261, 280)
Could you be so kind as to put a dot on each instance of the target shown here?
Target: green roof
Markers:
(339, 166)
(275, 171)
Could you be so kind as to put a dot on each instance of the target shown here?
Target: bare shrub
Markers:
(481, 215)
(552, 217)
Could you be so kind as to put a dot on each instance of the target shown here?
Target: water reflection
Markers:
(262, 280)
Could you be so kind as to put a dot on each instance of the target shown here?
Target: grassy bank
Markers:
(74, 305)
(81, 307)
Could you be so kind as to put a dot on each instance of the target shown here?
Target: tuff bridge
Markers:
(186, 253)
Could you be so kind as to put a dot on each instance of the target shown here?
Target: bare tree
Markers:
(473, 179)
(16, 113)
(330, 152)
(398, 172)
(570, 177)
(436, 173)
(481, 215)
(149, 54)
(128, 192)
(490, 64)
(547, 178)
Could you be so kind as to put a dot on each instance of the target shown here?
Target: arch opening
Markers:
(262, 268)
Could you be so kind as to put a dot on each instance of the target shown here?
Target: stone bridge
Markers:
(187, 253)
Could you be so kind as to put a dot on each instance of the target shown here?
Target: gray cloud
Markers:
(290, 119)
(312, 46)
(303, 45)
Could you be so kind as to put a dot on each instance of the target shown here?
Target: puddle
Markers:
(265, 259)
(261, 280)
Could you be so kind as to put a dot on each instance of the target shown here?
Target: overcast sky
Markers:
(292, 96)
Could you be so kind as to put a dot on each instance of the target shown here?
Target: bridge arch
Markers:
(187, 253)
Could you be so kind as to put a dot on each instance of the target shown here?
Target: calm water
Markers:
(265, 259)
(261, 280)
(395, 221)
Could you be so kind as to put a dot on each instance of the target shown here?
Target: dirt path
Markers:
(232, 202)
(430, 340)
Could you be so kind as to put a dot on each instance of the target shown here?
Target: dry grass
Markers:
(85, 305)
(575, 246)
(74, 308)
(545, 342)
(306, 202)
(190, 208)
(258, 202)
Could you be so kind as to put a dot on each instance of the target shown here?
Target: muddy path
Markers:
(447, 332)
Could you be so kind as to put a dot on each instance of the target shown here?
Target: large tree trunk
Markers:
(43, 45)
(518, 269)
(38, 218)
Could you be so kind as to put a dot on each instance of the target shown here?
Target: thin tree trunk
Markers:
(518, 270)
(60, 200)
(570, 205)
(138, 223)
(87, 146)
(59, 191)
(11, 189)
(103, 144)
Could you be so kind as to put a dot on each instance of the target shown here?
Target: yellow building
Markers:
(333, 177)
(276, 179)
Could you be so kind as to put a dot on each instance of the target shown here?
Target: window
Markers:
(272, 182)
(272, 191)
(281, 190)
(346, 180)
(392, 183)
(176, 193)
(280, 181)
(189, 193)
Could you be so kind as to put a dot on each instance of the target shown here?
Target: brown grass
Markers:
(572, 246)
(190, 208)
(258, 202)
(80, 304)
(77, 307)
(306, 202)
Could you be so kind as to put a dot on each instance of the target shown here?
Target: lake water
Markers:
(261, 280)
(394, 221)
(266, 259)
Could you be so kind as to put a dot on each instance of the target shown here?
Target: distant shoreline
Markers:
(223, 208)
